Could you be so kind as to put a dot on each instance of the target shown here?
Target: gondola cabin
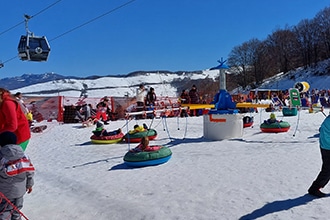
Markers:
(33, 48)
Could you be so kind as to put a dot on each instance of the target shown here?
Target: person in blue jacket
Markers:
(324, 176)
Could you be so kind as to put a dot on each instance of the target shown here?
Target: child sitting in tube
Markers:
(272, 119)
(138, 128)
(101, 131)
(144, 146)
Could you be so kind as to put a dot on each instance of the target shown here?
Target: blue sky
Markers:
(145, 35)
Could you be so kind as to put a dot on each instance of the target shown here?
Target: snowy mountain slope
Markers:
(167, 83)
(317, 77)
(115, 86)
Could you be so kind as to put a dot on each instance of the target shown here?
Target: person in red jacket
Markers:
(13, 119)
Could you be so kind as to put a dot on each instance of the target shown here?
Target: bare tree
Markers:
(322, 19)
(282, 46)
(308, 38)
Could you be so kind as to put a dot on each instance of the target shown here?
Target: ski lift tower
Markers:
(224, 121)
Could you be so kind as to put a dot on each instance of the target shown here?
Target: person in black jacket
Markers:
(185, 99)
(194, 99)
(151, 97)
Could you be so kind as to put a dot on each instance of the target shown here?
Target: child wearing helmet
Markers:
(272, 119)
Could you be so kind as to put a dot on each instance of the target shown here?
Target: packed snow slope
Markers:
(256, 176)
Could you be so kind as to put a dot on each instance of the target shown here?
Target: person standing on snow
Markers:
(102, 109)
(13, 119)
(16, 175)
(140, 98)
(185, 99)
(194, 99)
(151, 97)
(324, 175)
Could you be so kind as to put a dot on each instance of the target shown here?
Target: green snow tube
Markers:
(289, 111)
(280, 126)
(136, 137)
(148, 158)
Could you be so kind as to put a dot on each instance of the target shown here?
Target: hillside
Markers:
(165, 83)
(317, 77)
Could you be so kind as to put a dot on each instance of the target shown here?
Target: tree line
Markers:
(302, 45)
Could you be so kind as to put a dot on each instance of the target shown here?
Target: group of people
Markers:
(145, 100)
(84, 112)
(102, 112)
(190, 97)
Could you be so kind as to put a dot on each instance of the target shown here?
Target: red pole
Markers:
(60, 109)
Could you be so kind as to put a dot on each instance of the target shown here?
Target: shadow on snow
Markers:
(278, 206)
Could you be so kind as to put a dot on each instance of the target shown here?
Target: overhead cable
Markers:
(92, 20)
(22, 22)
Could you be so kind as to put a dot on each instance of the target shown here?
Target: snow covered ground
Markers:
(257, 176)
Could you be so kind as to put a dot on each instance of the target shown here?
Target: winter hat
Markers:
(272, 116)
(99, 126)
(145, 126)
(7, 137)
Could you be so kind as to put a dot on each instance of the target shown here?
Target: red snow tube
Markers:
(247, 121)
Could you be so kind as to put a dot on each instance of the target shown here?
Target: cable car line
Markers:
(93, 19)
(22, 22)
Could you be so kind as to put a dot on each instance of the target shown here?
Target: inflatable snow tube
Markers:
(289, 111)
(136, 137)
(302, 86)
(247, 121)
(107, 139)
(148, 158)
(276, 127)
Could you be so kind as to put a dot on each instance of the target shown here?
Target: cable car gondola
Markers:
(33, 48)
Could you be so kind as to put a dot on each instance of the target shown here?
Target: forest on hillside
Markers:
(302, 45)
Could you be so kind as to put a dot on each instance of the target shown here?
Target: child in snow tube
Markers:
(101, 131)
(138, 128)
(272, 119)
(144, 146)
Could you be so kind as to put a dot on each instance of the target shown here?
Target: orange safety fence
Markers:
(63, 108)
